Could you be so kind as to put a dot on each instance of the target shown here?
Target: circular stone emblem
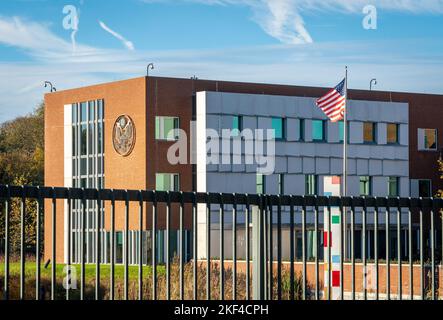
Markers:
(123, 135)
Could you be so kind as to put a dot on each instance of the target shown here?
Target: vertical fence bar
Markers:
(154, 246)
(112, 251)
(54, 246)
(352, 250)
(22, 244)
(376, 252)
(181, 249)
(432, 256)
(234, 247)
(317, 278)
(291, 248)
(422, 287)
(82, 244)
(411, 266)
(279, 244)
(263, 203)
(140, 246)
(168, 253)
(69, 228)
(329, 240)
(342, 289)
(271, 249)
(208, 247)
(126, 248)
(194, 242)
(388, 249)
(7, 247)
(38, 248)
(248, 258)
(222, 248)
(258, 284)
(97, 246)
(399, 280)
(303, 241)
(365, 273)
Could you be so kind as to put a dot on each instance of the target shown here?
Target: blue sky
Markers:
(303, 42)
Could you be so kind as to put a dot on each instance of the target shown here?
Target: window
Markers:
(167, 182)
(311, 184)
(424, 188)
(365, 186)
(278, 124)
(260, 184)
(318, 130)
(392, 133)
(87, 169)
(427, 139)
(237, 125)
(281, 184)
(369, 132)
(302, 130)
(166, 128)
(341, 130)
(393, 189)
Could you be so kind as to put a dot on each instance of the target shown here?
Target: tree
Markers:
(22, 163)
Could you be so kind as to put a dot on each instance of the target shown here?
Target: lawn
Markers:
(105, 271)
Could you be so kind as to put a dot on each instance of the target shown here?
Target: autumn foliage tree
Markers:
(21, 163)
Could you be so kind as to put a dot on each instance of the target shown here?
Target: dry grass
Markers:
(133, 289)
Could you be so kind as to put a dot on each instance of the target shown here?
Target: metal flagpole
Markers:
(345, 163)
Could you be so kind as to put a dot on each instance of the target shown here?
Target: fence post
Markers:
(258, 285)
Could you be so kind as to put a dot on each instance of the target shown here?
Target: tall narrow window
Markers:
(369, 132)
(392, 133)
(278, 124)
(237, 125)
(87, 172)
(260, 184)
(311, 182)
(167, 182)
(341, 130)
(166, 128)
(424, 188)
(365, 186)
(281, 184)
(318, 130)
(302, 130)
(393, 187)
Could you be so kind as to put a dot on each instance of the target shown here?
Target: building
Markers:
(393, 146)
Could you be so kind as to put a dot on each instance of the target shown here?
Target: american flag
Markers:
(334, 102)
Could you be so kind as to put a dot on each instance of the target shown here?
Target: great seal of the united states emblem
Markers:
(123, 135)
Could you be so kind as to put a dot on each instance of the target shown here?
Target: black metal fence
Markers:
(280, 246)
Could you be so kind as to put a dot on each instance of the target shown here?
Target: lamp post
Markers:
(52, 88)
(150, 66)
(373, 81)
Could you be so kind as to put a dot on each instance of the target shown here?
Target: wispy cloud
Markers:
(282, 19)
(318, 64)
(128, 44)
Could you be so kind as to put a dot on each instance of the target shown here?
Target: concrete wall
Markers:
(297, 158)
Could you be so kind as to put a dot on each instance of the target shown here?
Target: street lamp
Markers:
(47, 83)
(150, 66)
(373, 81)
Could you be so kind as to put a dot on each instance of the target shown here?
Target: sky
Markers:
(75, 43)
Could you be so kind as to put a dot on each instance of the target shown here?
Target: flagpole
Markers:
(345, 164)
